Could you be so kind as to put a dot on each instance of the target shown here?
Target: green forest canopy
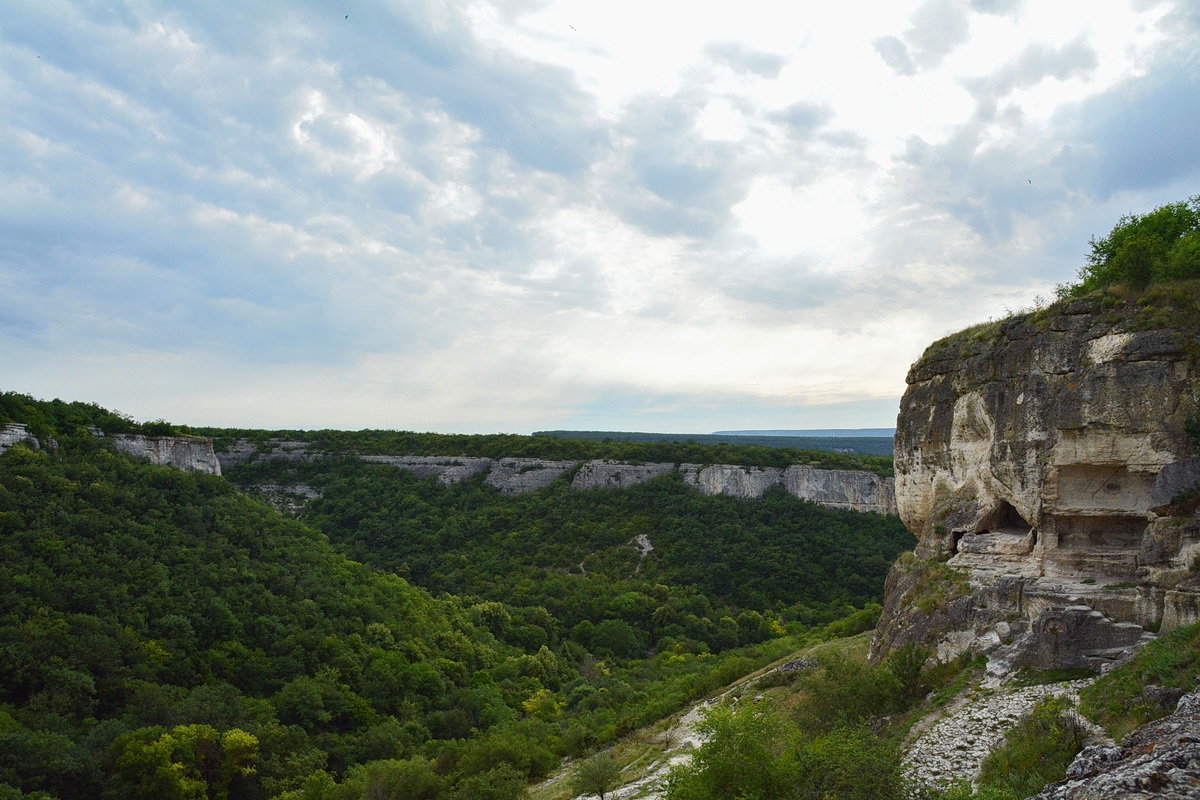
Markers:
(163, 635)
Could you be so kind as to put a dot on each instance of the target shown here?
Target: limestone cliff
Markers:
(193, 453)
(1036, 461)
(844, 489)
(17, 433)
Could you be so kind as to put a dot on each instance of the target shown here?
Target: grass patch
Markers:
(1116, 701)
(1040, 677)
(1036, 752)
(935, 583)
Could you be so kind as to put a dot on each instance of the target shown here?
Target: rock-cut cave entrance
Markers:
(1004, 530)
(1005, 519)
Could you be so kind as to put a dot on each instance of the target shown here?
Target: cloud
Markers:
(802, 118)
(671, 180)
(938, 27)
(1139, 135)
(997, 7)
(895, 54)
(1035, 64)
(744, 59)
(414, 218)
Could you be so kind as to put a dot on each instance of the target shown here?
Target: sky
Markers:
(524, 215)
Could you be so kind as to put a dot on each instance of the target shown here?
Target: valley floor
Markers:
(947, 745)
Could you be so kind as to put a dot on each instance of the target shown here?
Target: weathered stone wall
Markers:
(1037, 455)
(194, 453)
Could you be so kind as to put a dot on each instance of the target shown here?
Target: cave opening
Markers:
(1005, 519)
(955, 537)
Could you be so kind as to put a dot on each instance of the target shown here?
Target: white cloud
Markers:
(518, 215)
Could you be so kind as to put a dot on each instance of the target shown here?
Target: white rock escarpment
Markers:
(17, 433)
(192, 453)
(852, 490)
(1038, 459)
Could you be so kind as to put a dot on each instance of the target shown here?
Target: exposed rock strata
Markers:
(606, 474)
(844, 489)
(1036, 458)
(1159, 760)
(17, 433)
(193, 453)
(520, 475)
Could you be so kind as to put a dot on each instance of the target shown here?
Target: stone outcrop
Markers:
(17, 433)
(952, 746)
(606, 474)
(844, 489)
(520, 475)
(1038, 458)
(1158, 760)
(447, 470)
(837, 488)
(193, 453)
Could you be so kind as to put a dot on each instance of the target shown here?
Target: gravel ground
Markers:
(954, 746)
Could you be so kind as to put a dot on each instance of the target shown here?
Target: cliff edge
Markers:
(1044, 465)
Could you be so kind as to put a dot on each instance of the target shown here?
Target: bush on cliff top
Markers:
(1158, 247)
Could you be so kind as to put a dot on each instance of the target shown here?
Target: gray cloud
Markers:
(802, 118)
(741, 58)
(1034, 65)
(938, 27)
(681, 183)
(997, 7)
(1136, 136)
(895, 54)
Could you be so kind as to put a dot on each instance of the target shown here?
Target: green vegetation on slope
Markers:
(566, 564)
(511, 445)
(164, 636)
(833, 732)
(51, 417)
(1118, 702)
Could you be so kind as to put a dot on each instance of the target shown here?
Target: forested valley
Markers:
(163, 634)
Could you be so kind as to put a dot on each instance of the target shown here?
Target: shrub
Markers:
(748, 753)
(1036, 752)
(1162, 245)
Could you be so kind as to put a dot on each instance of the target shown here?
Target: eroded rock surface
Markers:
(193, 453)
(17, 433)
(953, 747)
(844, 489)
(1159, 760)
(1037, 458)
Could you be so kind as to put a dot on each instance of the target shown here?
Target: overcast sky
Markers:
(522, 215)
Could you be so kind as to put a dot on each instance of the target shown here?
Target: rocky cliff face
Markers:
(193, 453)
(17, 433)
(1037, 461)
(843, 489)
